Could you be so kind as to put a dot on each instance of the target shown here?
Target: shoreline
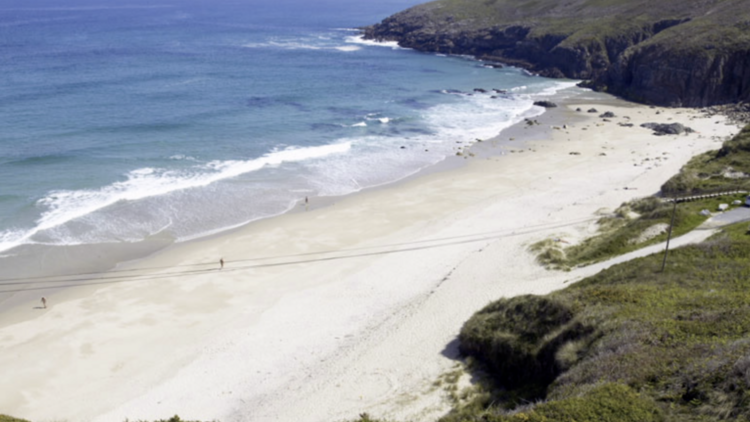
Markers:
(58, 263)
(346, 308)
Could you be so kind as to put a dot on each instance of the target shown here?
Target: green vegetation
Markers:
(596, 21)
(670, 346)
(676, 52)
(607, 402)
(727, 169)
(628, 229)
(630, 343)
(6, 418)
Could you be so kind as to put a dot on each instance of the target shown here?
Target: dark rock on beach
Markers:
(545, 104)
(607, 115)
(661, 129)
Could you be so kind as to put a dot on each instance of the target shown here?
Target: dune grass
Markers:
(631, 343)
(708, 172)
(716, 171)
(6, 418)
(675, 344)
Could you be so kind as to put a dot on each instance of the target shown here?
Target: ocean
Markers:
(181, 119)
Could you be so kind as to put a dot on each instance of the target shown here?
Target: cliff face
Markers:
(686, 53)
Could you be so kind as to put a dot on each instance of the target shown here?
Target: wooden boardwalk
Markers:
(704, 196)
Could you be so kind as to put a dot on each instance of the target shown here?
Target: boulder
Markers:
(545, 104)
(667, 128)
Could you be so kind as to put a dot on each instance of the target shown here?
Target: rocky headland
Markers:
(693, 53)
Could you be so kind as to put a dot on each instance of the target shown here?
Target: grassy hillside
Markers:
(632, 342)
(675, 345)
(727, 168)
(670, 52)
(596, 20)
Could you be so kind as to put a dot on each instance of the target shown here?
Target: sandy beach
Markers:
(352, 307)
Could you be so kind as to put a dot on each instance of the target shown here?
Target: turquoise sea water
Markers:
(124, 120)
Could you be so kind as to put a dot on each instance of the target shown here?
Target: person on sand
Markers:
(221, 262)
(307, 202)
(44, 302)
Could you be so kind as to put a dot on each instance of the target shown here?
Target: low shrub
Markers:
(670, 345)
(706, 173)
(6, 418)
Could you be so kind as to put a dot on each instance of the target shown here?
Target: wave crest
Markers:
(64, 206)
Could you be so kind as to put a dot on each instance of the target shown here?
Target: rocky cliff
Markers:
(676, 53)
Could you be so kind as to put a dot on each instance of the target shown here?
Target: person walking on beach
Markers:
(221, 262)
(306, 203)
(44, 302)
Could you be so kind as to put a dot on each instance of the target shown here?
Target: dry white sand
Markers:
(350, 308)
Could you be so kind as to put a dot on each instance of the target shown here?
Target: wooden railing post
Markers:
(669, 236)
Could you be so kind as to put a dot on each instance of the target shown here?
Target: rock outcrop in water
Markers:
(676, 53)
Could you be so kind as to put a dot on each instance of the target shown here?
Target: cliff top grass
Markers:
(709, 26)
(667, 52)
(575, 15)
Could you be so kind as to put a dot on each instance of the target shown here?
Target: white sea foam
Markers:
(359, 39)
(286, 45)
(360, 124)
(374, 117)
(317, 44)
(67, 205)
(477, 117)
(556, 87)
(348, 48)
(11, 238)
(382, 159)
(179, 157)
